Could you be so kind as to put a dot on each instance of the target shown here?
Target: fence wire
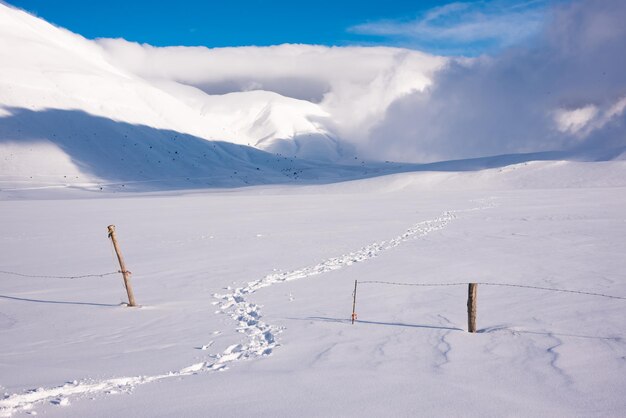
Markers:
(13, 273)
(580, 292)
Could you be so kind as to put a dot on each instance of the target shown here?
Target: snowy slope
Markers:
(264, 120)
(45, 67)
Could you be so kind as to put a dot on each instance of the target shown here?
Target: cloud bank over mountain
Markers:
(354, 85)
(563, 90)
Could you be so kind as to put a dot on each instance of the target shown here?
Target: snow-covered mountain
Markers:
(74, 110)
(262, 119)
(68, 114)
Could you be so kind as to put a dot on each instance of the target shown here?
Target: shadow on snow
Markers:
(140, 157)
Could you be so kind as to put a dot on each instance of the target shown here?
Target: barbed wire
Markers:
(551, 289)
(554, 290)
(13, 273)
(412, 284)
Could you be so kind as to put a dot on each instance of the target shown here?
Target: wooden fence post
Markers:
(125, 273)
(471, 307)
(354, 303)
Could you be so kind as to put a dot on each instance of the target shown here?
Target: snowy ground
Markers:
(246, 295)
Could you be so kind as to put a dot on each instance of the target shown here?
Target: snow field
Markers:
(261, 336)
(549, 353)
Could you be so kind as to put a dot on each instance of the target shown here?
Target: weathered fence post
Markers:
(125, 273)
(471, 307)
(354, 303)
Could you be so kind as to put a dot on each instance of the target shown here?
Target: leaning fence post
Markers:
(471, 307)
(354, 303)
(125, 273)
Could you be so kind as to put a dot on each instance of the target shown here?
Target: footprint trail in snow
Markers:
(261, 337)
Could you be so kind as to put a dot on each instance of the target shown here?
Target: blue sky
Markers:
(467, 28)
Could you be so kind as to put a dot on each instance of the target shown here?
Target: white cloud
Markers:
(616, 110)
(573, 121)
(584, 121)
(455, 25)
